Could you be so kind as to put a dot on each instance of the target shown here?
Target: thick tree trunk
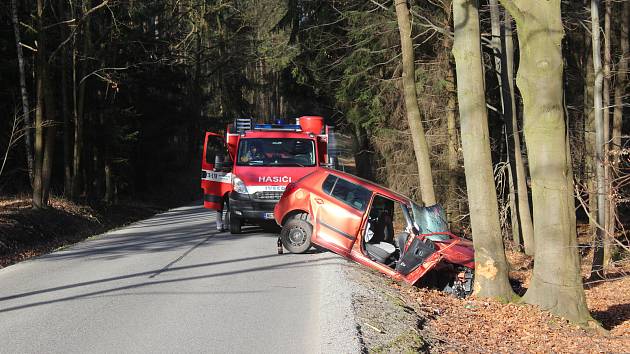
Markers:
(420, 145)
(598, 244)
(525, 216)
(556, 283)
(23, 92)
(491, 270)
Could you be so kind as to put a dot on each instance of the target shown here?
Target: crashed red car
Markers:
(376, 227)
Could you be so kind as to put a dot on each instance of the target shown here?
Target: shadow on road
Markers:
(296, 264)
(181, 228)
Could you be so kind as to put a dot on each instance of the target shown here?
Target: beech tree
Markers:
(491, 278)
(416, 129)
(556, 283)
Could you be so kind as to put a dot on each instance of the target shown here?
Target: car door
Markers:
(215, 183)
(338, 213)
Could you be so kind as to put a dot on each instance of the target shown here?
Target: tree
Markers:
(416, 129)
(45, 128)
(556, 283)
(23, 91)
(491, 271)
(598, 244)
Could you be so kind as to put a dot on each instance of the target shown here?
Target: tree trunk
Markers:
(67, 151)
(79, 109)
(496, 29)
(589, 133)
(491, 270)
(51, 130)
(38, 187)
(606, 133)
(556, 283)
(525, 216)
(498, 33)
(452, 201)
(420, 145)
(23, 92)
(620, 84)
(598, 244)
(39, 141)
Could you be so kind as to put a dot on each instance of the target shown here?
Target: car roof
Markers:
(367, 184)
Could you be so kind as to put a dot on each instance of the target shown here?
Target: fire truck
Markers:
(245, 172)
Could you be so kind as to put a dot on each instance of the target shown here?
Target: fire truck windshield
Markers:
(276, 152)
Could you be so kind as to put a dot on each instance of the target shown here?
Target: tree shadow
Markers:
(613, 316)
(143, 284)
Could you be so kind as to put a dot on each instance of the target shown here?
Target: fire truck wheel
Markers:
(234, 222)
(296, 234)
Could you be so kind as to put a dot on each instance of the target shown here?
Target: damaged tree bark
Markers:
(491, 271)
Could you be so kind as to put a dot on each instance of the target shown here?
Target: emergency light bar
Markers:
(291, 127)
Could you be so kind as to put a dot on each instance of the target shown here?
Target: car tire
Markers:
(235, 223)
(296, 234)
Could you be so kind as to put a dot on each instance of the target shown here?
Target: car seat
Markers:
(377, 247)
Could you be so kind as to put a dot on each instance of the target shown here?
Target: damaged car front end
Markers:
(376, 227)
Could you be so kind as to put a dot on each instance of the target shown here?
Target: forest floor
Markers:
(445, 324)
(26, 233)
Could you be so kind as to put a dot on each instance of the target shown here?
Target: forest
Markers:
(512, 114)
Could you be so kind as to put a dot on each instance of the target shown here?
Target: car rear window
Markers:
(351, 194)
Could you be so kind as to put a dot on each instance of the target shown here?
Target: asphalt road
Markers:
(172, 284)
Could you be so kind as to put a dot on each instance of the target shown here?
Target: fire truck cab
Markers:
(245, 172)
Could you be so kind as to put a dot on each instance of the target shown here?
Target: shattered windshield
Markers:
(430, 219)
(276, 152)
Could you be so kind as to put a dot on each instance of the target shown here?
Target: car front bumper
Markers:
(244, 206)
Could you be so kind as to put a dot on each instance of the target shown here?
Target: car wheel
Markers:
(235, 223)
(296, 234)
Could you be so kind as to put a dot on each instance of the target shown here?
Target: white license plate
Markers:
(268, 215)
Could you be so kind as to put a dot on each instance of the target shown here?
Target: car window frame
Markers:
(332, 190)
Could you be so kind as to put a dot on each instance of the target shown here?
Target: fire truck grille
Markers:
(268, 195)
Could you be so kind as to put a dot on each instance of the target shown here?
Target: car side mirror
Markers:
(223, 163)
(333, 162)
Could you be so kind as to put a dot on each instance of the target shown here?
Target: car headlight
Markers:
(239, 186)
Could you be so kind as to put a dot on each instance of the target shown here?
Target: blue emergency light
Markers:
(294, 127)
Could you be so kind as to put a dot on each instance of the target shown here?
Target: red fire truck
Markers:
(244, 173)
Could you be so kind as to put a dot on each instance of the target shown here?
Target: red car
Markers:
(376, 227)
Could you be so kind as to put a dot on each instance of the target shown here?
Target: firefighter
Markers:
(220, 224)
(253, 153)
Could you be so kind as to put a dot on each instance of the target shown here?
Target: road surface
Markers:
(172, 284)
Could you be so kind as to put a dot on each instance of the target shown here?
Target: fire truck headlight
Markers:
(239, 186)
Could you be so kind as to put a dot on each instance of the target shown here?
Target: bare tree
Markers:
(556, 283)
(23, 92)
(420, 146)
(491, 270)
(598, 244)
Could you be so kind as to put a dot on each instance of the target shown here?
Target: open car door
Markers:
(339, 213)
(215, 182)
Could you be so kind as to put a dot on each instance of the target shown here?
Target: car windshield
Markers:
(276, 152)
(429, 220)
